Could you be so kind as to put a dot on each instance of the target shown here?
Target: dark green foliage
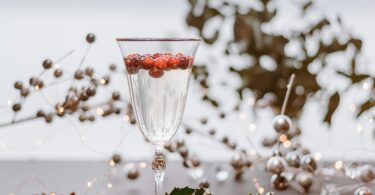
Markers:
(187, 191)
(251, 40)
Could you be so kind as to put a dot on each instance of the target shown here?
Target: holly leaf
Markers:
(188, 191)
(332, 106)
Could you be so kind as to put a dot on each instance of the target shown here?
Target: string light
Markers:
(366, 85)
(9, 102)
(60, 109)
(100, 111)
(318, 156)
(126, 118)
(102, 81)
(252, 127)
(283, 138)
(142, 165)
(89, 184)
(112, 163)
(109, 185)
(261, 190)
(287, 144)
(339, 164)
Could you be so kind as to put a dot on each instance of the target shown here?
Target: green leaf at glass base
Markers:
(187, 191)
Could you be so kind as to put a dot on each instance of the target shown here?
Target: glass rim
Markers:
(158, 39)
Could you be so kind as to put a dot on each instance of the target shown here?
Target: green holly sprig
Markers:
(192, 191)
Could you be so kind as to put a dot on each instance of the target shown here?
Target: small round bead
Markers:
(308, 163)
(204, 183)
(58, 73)
(293, 159)
(305, 179)
(237, 162)
(78, 75)
(212, 132)
(92, 118)
(32, 80)
(89, 71)
(40, 113)
(116, 158)
(204, 121)
(133, 121)
(16, 107)
(104, 80)
(133, 174)
(18, 85)
(47, 64)
(48, 118)
(115, 95)
(276, 165)
(90, 38)
(24, 92)
(112, 67)
(281, 123)
(82, 118)
(279, 182)
(183, 151)
(91, 91)
(117, 111)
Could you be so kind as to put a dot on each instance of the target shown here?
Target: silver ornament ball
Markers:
(279, 182)
(305, 179)
(363, 191)
(282, 123)
(276, 165)
(293, 159)
(308, 163)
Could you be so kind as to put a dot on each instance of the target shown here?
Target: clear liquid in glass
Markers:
(159, 102)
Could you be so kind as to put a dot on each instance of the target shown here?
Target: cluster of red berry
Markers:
(157, 63)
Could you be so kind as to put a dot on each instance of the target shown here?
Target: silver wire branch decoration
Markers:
(291, 164)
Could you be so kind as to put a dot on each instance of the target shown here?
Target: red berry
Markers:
(147, 62)
(128, 61)
(179, 55)
(184, 63)
(160, 63)
(173, 62)
(166, 57)
(157, 55)
(131, 60)
(132, 70)
(156, 73)
(132, 55)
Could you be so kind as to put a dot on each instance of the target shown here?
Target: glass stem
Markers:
(158, 165)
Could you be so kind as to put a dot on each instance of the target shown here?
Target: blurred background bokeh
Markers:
(32, 31)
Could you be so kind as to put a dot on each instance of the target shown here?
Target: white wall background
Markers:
(31, 31)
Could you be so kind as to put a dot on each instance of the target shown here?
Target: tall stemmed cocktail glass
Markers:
(158, 73)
